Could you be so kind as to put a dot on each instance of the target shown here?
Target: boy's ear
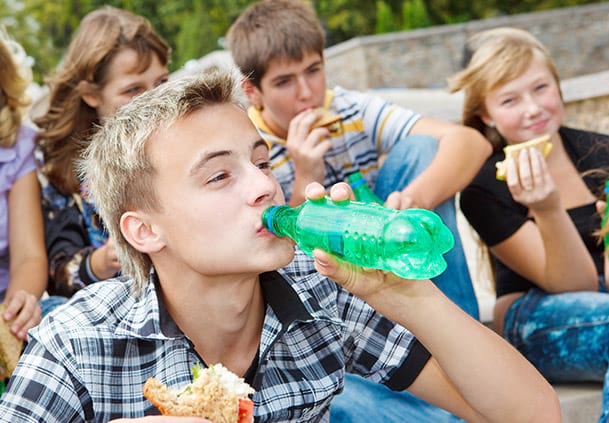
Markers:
(89, 94)
(138, 232)
(252, 92)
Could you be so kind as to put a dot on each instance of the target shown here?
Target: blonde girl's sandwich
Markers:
(216, 394)
(542, 144)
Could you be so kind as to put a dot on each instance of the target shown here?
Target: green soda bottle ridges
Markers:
(361, 190)
(606, 216)
(409, 243)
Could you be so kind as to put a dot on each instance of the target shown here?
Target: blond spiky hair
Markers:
(115, 164)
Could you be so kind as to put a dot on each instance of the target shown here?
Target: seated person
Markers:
(181, 178)
(541, 223)
(279, 46)
(128, 58)
(23, 260)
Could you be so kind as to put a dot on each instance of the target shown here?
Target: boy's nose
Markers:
(304, 90)
(261, 186)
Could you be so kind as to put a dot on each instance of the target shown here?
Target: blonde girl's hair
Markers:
(15, 77)
(498, 56)
(69, 121)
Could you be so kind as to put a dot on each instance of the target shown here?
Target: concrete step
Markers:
(580, 403)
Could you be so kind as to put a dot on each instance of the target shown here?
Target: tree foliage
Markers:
(196, 27)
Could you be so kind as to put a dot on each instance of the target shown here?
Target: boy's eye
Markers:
(217, 178)
(264, 165)
(161, 81)
(133, 90)
(540, 87)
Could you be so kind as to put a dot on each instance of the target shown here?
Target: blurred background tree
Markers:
(196, 27)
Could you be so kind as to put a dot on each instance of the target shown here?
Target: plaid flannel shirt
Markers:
(89, 360)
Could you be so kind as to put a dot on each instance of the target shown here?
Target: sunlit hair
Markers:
(116, 165)
(69, 121)
(498, 56)
(15, 76)
(273, 30)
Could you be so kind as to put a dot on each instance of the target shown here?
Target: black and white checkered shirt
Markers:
(89, 360)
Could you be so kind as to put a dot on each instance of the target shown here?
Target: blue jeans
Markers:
(407, 160)
(50, 303)
(565, 336)
(365, 401)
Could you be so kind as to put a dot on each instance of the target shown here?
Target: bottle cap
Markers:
(269, 219)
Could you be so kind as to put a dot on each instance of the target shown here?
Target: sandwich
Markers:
(215, 393)
(328, 120)
(541, 144)
(10, 348)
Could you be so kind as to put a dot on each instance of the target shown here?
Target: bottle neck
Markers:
(280, 220)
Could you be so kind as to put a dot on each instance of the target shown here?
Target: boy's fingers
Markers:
(314, 191)
(341, 192)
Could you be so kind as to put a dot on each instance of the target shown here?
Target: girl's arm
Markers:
(549, 251)
(461, 153)
(28, 260)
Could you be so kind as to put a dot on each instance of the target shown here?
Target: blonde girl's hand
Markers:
(530, 182)
(23, 311)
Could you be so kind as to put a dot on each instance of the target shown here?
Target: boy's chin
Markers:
(281, 256)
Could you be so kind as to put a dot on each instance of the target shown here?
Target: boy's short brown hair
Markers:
(270, 30)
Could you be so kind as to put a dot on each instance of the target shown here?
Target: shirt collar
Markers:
(282, 298)
(276, 291)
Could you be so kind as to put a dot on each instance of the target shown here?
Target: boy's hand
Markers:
(307, 148)
(359, 281)
(400, 201)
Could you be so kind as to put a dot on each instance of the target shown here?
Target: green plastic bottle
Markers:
(409, 243)
(605, 218)
(361, 190)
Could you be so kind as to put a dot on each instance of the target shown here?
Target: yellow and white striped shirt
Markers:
(370, 127)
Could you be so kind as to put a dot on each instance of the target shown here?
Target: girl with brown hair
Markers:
(114, 56)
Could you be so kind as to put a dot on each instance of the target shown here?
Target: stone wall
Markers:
(586, 101)
(591, 114)
(577, 37)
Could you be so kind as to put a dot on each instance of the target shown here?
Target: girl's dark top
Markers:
(488, 205)
(73, 230)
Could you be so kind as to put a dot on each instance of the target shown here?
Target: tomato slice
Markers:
(246, 410)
